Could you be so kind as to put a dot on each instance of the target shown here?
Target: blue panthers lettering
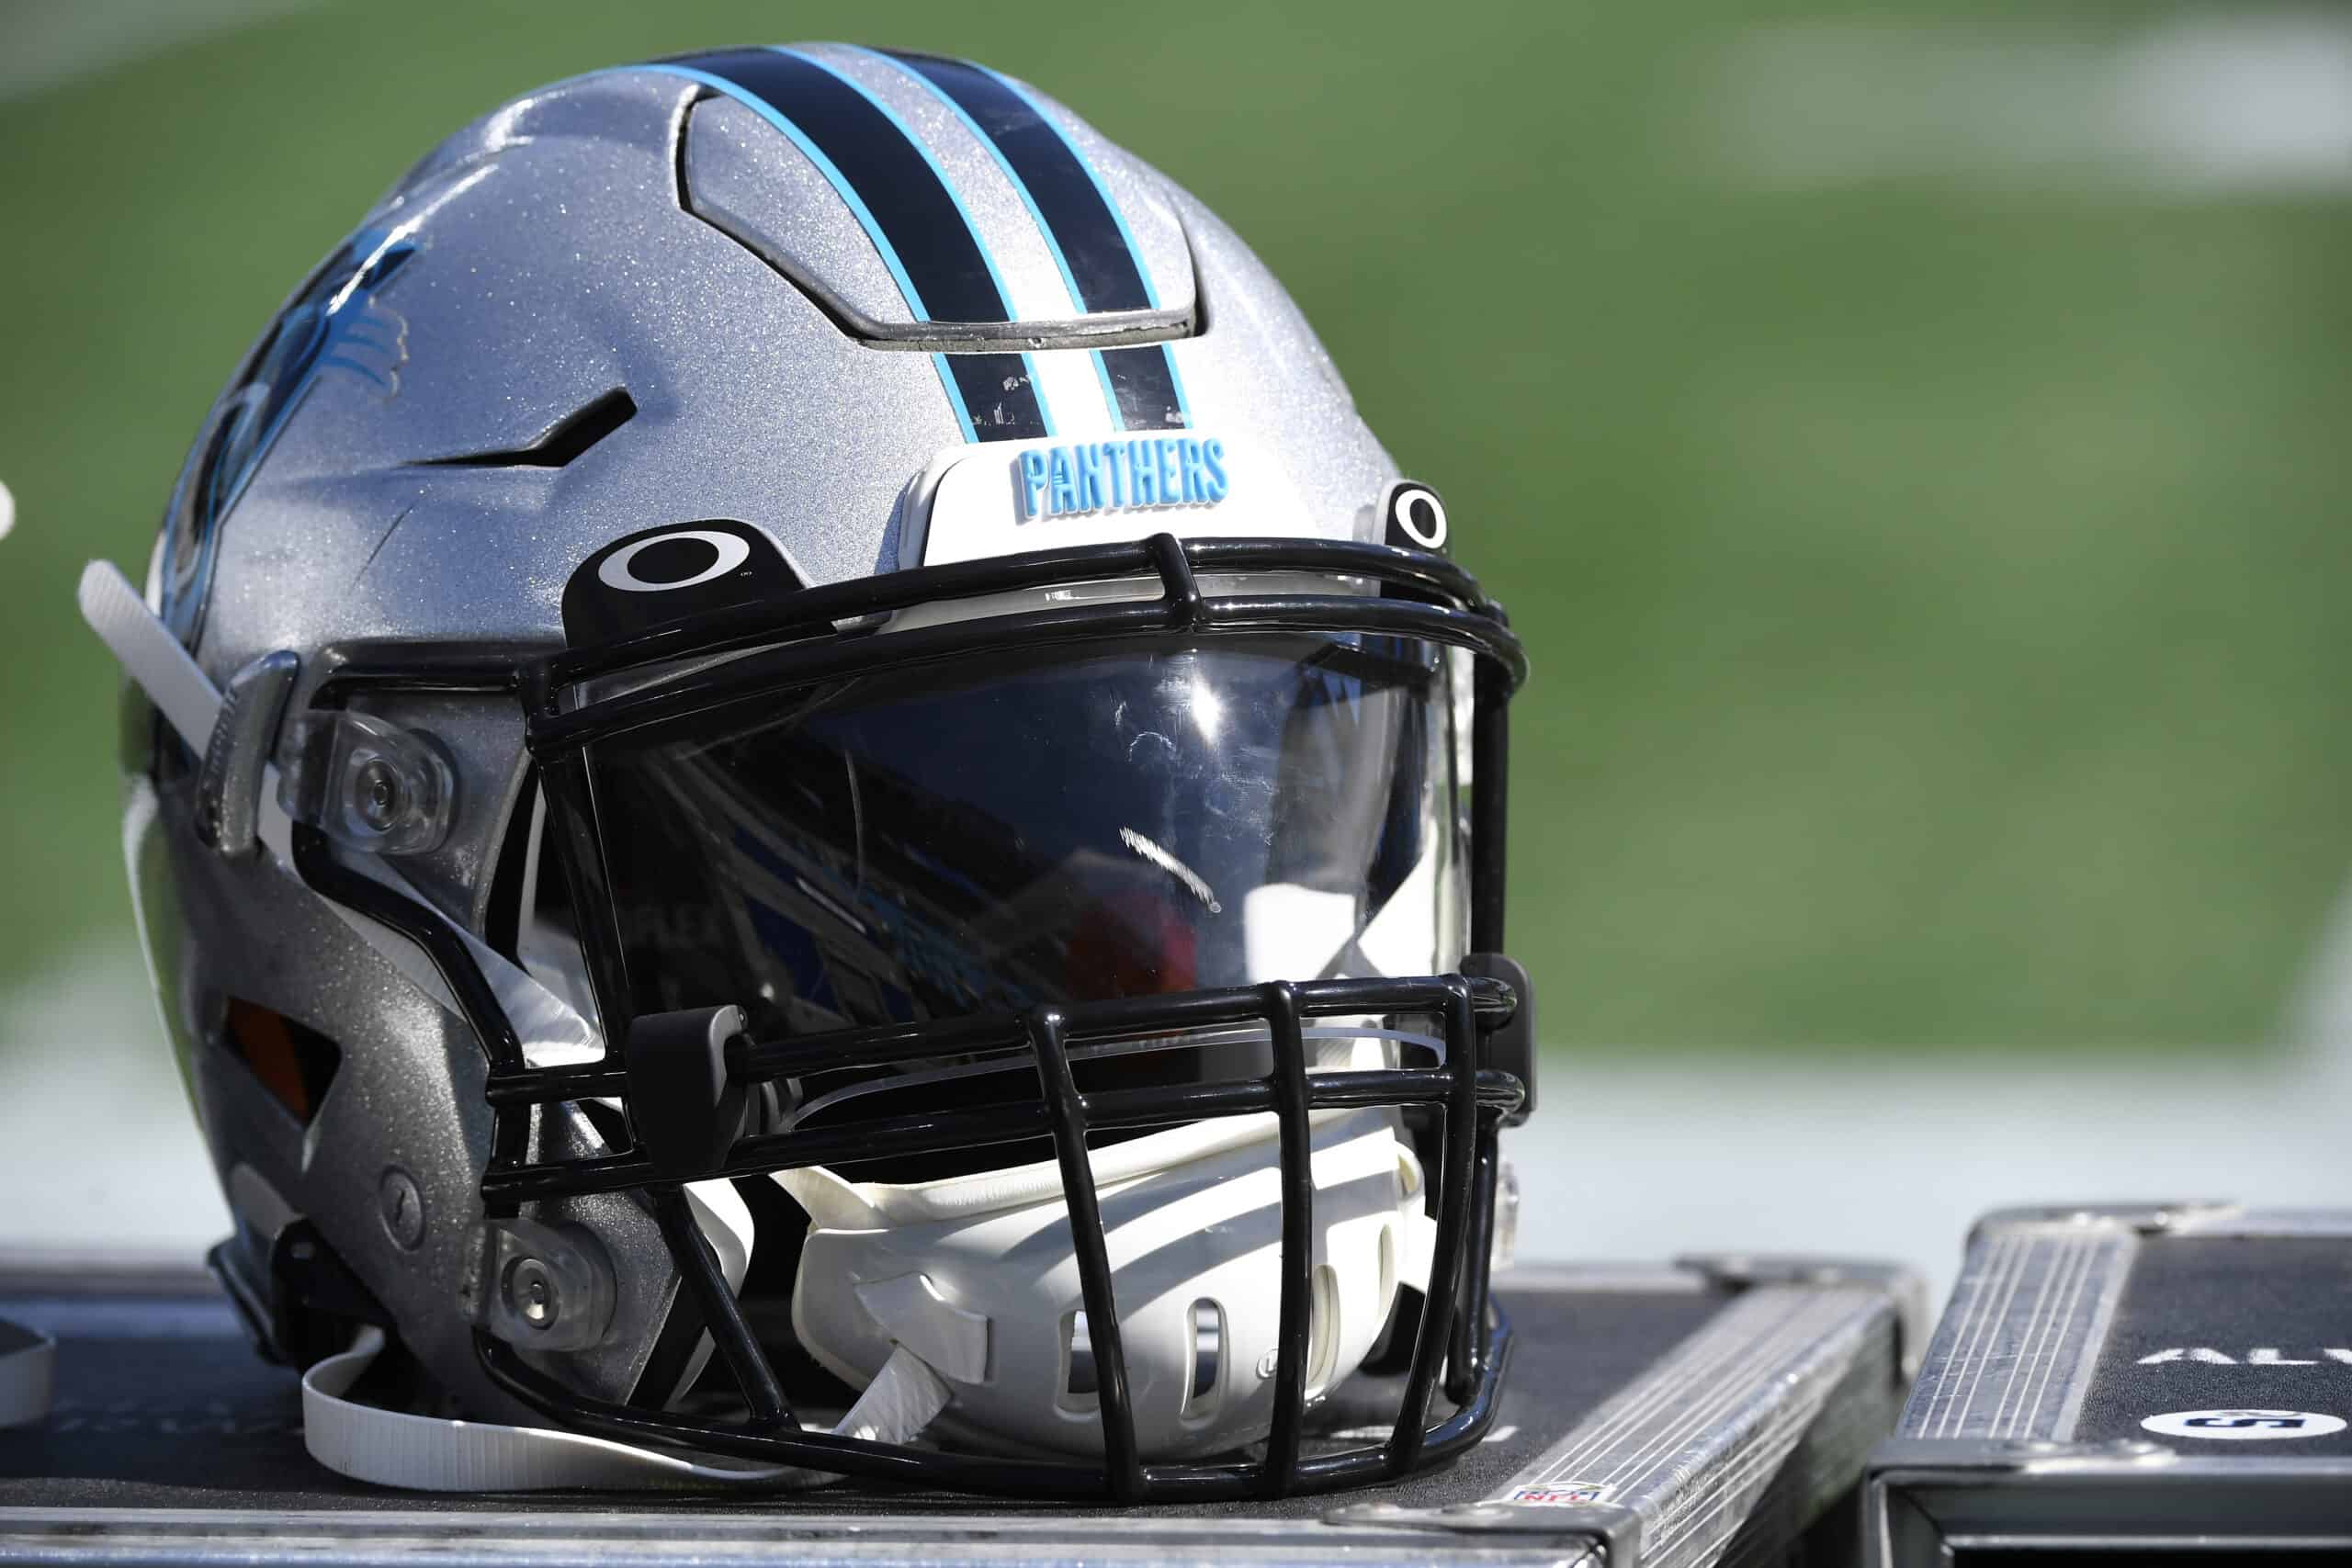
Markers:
(1121, 475)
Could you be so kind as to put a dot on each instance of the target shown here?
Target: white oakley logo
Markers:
(728, 552)
(1422, 515)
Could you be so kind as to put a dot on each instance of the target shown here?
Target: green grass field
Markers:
(1935, 586)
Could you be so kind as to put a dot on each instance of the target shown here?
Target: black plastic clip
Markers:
(1511, 1045)
(684, 1109)
(228, 784)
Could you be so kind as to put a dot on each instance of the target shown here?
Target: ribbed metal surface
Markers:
(1693, 1447)
(1859, 1411)
(2014, 1352)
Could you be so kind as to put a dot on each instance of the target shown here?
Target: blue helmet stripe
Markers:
(907, 209)
(1100, 262)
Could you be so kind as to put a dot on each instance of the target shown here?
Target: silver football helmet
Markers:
(805, 801)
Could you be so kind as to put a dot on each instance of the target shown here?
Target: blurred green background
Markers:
(1911, 439)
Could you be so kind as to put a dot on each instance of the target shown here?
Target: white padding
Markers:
(1192, 1221)
(910, 1308)
(425, 1454)
(27, 1378)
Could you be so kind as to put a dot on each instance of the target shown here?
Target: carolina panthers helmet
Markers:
(805, 802)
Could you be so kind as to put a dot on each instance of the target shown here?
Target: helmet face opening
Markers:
(1055, 826)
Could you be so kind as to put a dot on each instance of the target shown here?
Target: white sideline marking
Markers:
(51, 45)
(2229, 101)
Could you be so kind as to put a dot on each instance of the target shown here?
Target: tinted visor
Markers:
(1045, 826)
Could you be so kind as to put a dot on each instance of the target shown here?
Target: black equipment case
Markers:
(1670, 1415)
(2157, 1384)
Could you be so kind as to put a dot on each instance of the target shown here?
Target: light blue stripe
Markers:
(1070, 281)
(1143, 267)
(1020, 188)
(1176, 379)
(978, 241)
(864, 215)
(1111, 393)
(1045, 414)
(816, 155)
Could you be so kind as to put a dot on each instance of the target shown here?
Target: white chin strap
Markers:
(27, 1362)
(425, 1454)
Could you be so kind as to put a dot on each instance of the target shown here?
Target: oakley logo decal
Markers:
(659, 575)
(1414, 517)
(620, 570)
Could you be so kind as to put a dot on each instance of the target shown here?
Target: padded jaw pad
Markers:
(983, 1267)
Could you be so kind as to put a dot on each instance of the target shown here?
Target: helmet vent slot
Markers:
(294, 1061)
(1322, 1330)
(561, 443)
(1208, 1359)
(1080, 1391)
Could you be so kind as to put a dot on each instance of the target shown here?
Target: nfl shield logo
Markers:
(1563, 1494)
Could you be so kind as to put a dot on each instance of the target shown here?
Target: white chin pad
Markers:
(977, 1275)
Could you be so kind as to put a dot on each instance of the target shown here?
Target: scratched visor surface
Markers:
(1137, 818)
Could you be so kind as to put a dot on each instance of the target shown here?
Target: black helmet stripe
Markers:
(1082, 227)
(908, 208)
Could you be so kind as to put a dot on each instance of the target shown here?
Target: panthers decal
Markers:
(336, 321)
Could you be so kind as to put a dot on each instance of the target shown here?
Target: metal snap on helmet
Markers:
(806, 804)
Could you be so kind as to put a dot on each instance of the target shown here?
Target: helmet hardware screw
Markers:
(402, 1208)
(380, 798)
(531, 1291)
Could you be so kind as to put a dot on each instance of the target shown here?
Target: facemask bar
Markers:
(1456, 1329)
(1421, 595)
